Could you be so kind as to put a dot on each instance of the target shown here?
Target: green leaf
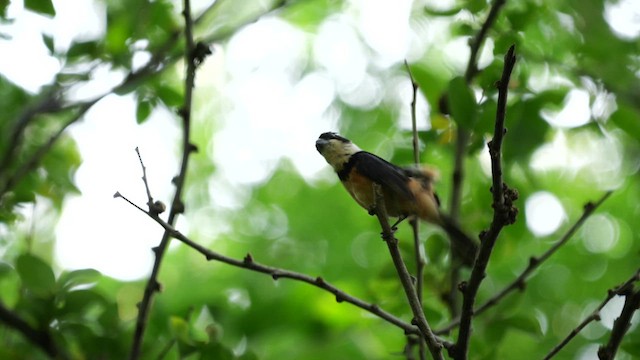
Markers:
(48, 41)
(44, 7)
(36, 275)
(3, 8)
(462, 103)
(76, 302)
(180, 329)
(169, 95)
(309, 14)
(5, 269)
(78, 277)
(91, 49)
(628, 119)
(143, 111)
(475, 6)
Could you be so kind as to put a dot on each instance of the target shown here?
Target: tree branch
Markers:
(520, 282)
(623, 322)
(503, 212)
(276, 273)
(595, 315)
(177, 206)
(476, 43)
(434, 345)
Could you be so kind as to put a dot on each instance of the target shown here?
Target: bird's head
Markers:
(336, 149)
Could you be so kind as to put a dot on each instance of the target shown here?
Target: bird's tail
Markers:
(461, 244)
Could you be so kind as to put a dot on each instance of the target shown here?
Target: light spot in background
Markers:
(401, 92)
(611, 311)
(366, 95)
(543, 321)
(95, 230)
(390, 42)
(576, 110)
(623, 17)
(239, 298)
(597, 158)
(457, 52)
(543, 78)
(544, 213)
(595, 330)
(600, 233)
(338, 50)
(27, 52)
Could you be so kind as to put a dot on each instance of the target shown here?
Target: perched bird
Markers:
(407, 191)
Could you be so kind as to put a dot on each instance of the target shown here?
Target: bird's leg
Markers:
(401, 218)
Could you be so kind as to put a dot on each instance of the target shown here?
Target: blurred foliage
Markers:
(209, 310)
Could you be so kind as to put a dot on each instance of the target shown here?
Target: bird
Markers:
(407, 191)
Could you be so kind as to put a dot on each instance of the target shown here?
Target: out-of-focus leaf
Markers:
(3, 8)
(44, 7)
(143, 110)
(437, 12)
(628, 119)
(90, 49)
(36, 275)
(170, 96)
(78, 277)
(526, 127)
(475, 6)
(76, 302)
(462, 103)
(310, 13)
(48, 42)
(180, 329)
(5, 268)
(60, 163)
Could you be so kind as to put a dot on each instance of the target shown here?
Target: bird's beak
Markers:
(321, 144)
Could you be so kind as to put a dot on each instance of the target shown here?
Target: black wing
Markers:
(382, 172)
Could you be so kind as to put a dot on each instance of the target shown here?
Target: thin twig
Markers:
(595, 315)
(145, 180)
(534, 263)
(503, 213)
(476, 43)
(433, 343)
(415, 224)
(276, 273)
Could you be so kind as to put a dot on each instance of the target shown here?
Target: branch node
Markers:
(462, 286)
(158, 207)
(320, 281)
(178, 207)
(248, 259)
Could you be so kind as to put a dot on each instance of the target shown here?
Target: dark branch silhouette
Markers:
(503, 213)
